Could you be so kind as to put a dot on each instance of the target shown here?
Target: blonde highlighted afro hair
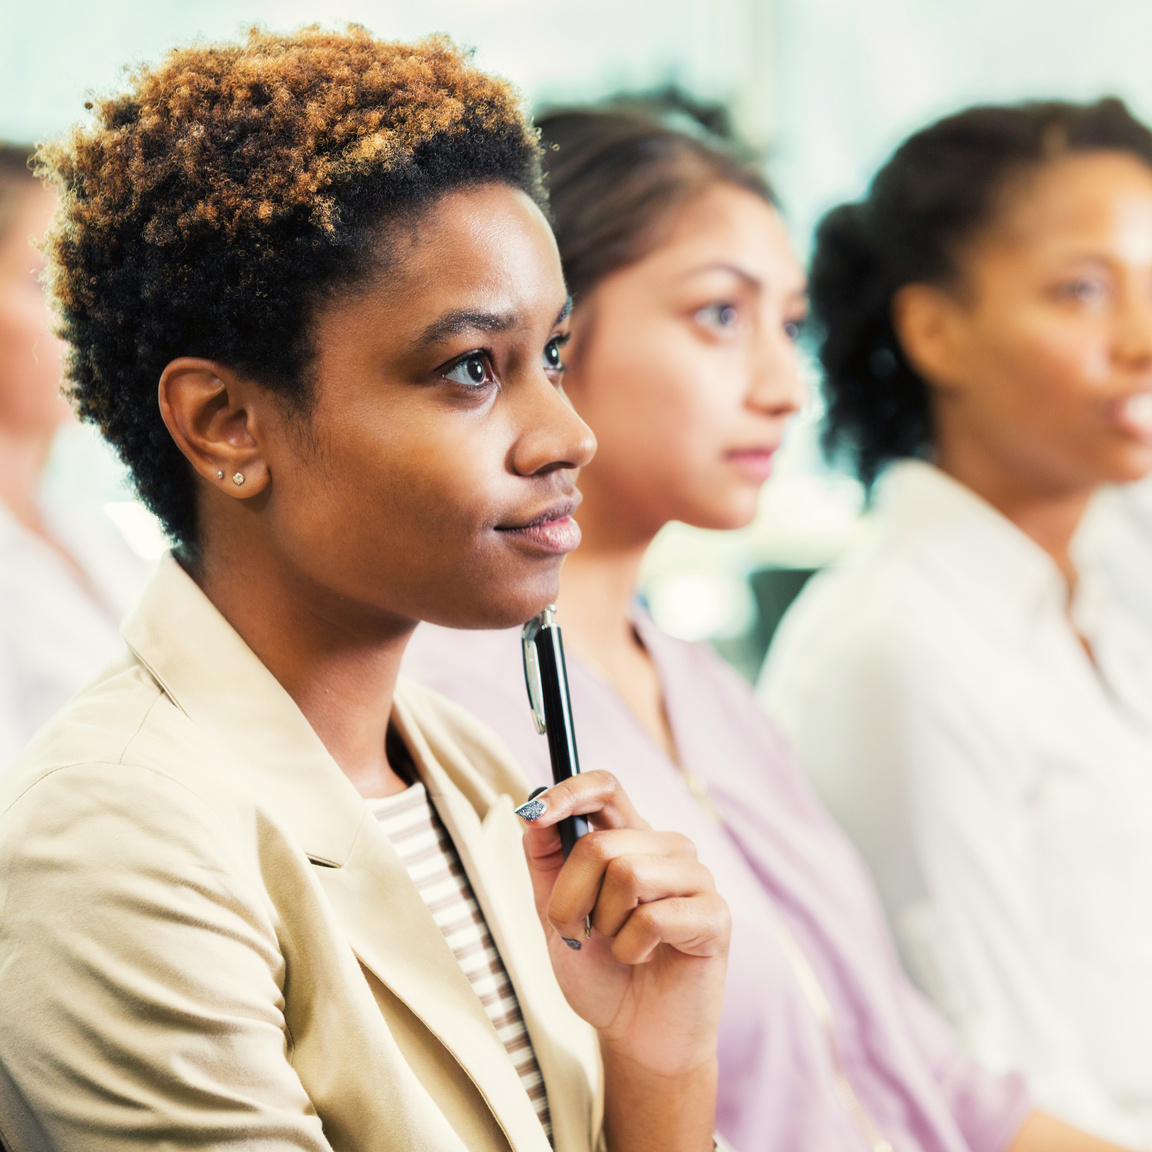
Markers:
(207, 209)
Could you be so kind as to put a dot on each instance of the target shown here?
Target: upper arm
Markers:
(141, 984)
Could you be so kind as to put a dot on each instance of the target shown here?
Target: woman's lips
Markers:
(552, 531)
(754, 462)
(559, 536)
(1134, 415)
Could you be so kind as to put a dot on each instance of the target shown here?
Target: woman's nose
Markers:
(776, 386)
(1133, 341)
(553, 436)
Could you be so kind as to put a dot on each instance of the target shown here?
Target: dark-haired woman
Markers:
(969, 695)
(255, 893)
(682, 360)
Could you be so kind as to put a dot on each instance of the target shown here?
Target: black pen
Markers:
(546, 675)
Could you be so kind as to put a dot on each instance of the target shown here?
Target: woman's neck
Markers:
(595, 605)
(595, 610)
(339, 668)
(1048, 513)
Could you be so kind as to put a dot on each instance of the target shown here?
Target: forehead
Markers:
(726, 224)
(1090, 200)
(489, 245)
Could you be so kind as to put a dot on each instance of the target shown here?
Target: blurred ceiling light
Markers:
(702, 605)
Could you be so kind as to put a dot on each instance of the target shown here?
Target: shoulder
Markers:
(122, 770)
(880, 604)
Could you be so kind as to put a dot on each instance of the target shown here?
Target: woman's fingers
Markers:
(639, 888)
(696, 926)
(612, 872)
(597, 795)
(632, 882)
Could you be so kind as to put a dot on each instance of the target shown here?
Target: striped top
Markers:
(427, 852)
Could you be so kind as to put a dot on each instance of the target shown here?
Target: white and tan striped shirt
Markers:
(410, 822)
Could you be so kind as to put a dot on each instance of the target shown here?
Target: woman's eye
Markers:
(721, 317)
(553, 361)
(472, 372)
(1085, 290)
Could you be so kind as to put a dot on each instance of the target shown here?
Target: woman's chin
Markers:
(724, 517)
(510, 610)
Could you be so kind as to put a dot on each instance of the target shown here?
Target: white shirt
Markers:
(998, 782)
(57, 631)
(1118, 531)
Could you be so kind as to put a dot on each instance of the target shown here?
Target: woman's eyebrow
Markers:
(465, 320)
(461, 320)
(753, 282)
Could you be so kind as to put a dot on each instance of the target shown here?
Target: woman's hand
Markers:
(650, 977)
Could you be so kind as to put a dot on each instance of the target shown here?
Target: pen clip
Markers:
(532, 666)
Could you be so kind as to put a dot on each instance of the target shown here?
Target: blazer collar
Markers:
(219, 683)
(272, 752)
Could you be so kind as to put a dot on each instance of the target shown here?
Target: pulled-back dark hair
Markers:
(206, 210)
(940, 187)
(615, 171)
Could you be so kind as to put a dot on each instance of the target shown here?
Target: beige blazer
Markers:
(206, 941)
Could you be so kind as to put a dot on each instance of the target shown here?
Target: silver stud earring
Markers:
(219, 475)
(238, 479)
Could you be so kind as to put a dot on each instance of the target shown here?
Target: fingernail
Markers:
(537, 790)
(575, 945)
(531, 810)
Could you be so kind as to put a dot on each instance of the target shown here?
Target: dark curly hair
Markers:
(939, 189)
(208, 209)
(615, 171)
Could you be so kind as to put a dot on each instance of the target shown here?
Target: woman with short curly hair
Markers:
(256, 893)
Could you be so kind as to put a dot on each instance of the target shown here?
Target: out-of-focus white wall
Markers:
(854, 77)
(54, 51)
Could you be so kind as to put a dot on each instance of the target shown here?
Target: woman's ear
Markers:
(927, 322)
(214, 417)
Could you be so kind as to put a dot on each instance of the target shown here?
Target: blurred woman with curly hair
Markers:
(256, 893)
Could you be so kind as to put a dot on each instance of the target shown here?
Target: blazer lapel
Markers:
(396, 939)
(272, 753)
(488, 835)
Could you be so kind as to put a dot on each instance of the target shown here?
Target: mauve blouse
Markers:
(787, 871)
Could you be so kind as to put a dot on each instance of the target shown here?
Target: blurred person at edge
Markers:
(967, 690)
(687, 302)
(66, 578)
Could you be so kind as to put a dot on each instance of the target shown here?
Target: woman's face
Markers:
(1041, 361)
(434, 478)
(685, 367)
(30, 401)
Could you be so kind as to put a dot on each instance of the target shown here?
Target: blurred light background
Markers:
(825, 87)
